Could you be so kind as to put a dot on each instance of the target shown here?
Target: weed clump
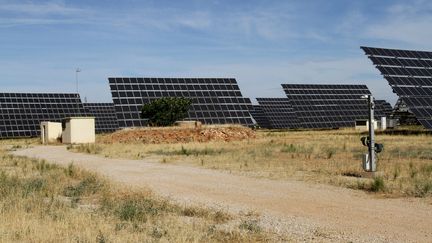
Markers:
(86, 148)
(422, 188)
(33, 185)
(291, 148)
(377, 185)
(137, 208)
(250, 225)
(88, 186)
(330, 152)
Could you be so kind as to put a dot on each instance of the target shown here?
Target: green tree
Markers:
(165, 111)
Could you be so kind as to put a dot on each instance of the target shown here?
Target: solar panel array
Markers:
(21, 113)
(214, 100)
(328, 106)
(260, 117)
(105, 116)
(409, 73)
(384, 107)
(279, 112)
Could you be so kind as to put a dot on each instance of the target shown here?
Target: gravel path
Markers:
(301, 210)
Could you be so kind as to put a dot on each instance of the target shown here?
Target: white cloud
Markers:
(46, 13)
(48, 8)
(406, 23)
(410, 8)
(414, 31)
(194, 20)
(11, 22)
(351, 22)
(272, 23)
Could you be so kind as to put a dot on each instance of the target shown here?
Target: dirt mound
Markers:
(179, 135)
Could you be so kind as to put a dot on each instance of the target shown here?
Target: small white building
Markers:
(51, 132)
(78, 130)
(363, 125)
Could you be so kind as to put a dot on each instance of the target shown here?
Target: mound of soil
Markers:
(179, 135)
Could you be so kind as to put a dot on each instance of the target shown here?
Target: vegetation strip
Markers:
(71, 204)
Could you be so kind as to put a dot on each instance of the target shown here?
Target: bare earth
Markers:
(300, 210)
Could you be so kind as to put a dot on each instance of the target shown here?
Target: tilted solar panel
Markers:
(409, 73)
(214, 100)
(279, 112)
(21, 113)
(328, 106)
(260, 117)
(384, 107)
(105, 116)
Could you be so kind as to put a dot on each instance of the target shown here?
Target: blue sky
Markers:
(260, 43)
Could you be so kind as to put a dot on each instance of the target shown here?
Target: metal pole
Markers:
(76, 78)
(371, 134)
(76, 82)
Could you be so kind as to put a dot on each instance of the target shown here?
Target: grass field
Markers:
(41, 202)
(331, 157)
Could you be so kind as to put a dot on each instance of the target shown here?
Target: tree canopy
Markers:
(165, 111)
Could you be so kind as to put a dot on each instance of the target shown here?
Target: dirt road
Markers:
(302, 210)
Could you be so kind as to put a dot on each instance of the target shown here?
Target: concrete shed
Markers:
(51, 132)
(363, 125)
(78, 130)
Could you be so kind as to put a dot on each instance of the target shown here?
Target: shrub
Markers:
(165, 111)
(377, 184)
(87, 186)
(140, 209)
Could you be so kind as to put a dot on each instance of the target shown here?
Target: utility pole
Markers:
(76, 78)
(372, 160)
(77, 70)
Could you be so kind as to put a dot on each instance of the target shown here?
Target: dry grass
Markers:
(332, 157)
(41, 202)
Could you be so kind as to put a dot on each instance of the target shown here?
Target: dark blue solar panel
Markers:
(214, 100)
(105, 116)
(22, 113)
(328, 106)
(279, 112)
(409, 73)
(260, 117)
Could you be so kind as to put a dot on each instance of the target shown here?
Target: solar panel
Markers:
(260, 117)
(409, 73)
(279, 112)
(328, 106)
(105, 116)
(21, 113)
(214, 100)
(384, 107)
